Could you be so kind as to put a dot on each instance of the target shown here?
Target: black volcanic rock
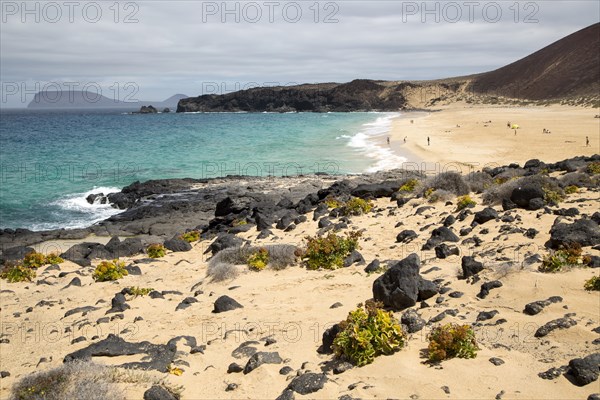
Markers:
(157, 357)
(358, 95)
(177, 244)
(470, 267)
(584, 232)
(226, 303)
(440, 235)
(406, 236)
(308, 383)
(585, 370)
(485, 215)
(402, 286)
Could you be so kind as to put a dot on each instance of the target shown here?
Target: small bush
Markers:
(53, 258)
(592, 284)
(449, 181)
(479, 181)
(409, 186)
(368, 333)
(37, 260)
(282, 256)
(450, 341)
(557, 260)
(156, 250)
(428, 192)
(221, 271)
(572, 189)
(17, 273)
(440, 196)
(329, 252)
(138, 291)
(73, 380)
(191, 236)
(552, 197)
(356, 206)
(593, 168)
(223, 265)
(333, 203)
(239, 222)
(110, 271)
(464, 202)
(34, 260)
(259, 259)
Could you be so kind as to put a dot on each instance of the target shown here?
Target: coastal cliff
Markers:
(358, 95)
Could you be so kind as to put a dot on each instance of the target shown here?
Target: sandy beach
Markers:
(295, 306)
(475, 136)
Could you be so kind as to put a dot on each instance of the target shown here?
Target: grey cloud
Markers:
(172, 50)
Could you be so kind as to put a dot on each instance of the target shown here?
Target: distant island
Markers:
(88, 100)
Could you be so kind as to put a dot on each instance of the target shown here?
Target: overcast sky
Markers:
(195, 47)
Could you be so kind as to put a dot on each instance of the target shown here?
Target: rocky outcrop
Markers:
(402, 286)
(358, 95)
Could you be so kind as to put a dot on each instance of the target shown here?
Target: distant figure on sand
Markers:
(427, 140)
(388, 140)
(405, 139)
(508, 124)
(587, 141)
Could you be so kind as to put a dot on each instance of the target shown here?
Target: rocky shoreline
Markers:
(462, 249)
(157, 210)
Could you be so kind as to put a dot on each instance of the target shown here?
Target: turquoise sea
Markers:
(51, 160)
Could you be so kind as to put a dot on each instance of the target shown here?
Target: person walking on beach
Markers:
(587, 141)
(405, 139)
(388, 140)
(427, 140)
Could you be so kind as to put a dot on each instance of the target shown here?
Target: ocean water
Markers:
(51, 160)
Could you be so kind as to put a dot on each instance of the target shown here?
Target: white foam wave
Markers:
(81, 213)
(368, 141)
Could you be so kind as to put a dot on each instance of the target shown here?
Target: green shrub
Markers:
(572, 189)
(156, 250)
(592, 284)
(191, 236)
(239, 222)
(428, 192)
(357, 206)
(34, 260)
(259, 259)
(552, 197)
(450, 341)
(329, 252)
(37, 260)
(464, 202)
(110, 271)
(333, 203)
(53, 258)
(409, 186)
(593, 168)
(17, 273)
(368, 333)
(557, 260)
(138, 291)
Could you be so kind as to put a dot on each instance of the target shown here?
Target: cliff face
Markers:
(358, 95)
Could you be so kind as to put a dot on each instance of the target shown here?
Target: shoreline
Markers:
(462, 136)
